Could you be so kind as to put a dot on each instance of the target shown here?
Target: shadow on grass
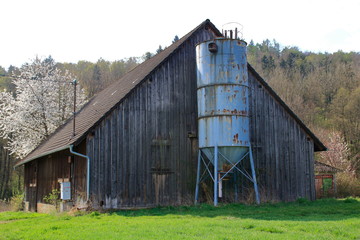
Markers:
(320, 210)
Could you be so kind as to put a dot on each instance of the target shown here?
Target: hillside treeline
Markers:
(93, 77)
(323, 89)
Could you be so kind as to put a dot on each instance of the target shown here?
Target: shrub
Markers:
(347, 185)
(53, 198)
(302, 201)
(350, 200)
(17, 203)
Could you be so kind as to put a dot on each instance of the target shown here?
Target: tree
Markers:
(352, 111)
(147, 56)
(43, 100)
(337, 154)
(84, 72)
(176, 38)
(159, 50)
(267, 64)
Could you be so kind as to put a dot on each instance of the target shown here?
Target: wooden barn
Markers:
(136, 144)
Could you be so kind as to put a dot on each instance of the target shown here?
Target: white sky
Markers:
(73, 30)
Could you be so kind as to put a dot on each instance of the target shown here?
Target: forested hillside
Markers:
(323, 89)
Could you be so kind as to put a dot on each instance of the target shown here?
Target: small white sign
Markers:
(65, 190)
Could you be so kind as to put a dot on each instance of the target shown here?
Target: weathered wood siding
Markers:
(41, 176)
(30, 180)
(283, 153)
(144, 153)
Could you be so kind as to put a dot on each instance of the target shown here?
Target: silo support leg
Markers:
(216, 156)
(257, 196)
(236, 194)
(198, 178)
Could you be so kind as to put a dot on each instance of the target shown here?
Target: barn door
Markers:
(33, 171)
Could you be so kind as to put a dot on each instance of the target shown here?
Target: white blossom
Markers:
(43, 100)
(338, 153)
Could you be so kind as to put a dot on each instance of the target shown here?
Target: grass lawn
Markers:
(322, 219)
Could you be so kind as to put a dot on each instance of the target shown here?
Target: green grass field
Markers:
(322, 219)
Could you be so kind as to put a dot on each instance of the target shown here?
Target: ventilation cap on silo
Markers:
(232, 30)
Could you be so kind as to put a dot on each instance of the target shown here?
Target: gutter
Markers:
(87, 171)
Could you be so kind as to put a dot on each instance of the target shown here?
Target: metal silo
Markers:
(223, 111)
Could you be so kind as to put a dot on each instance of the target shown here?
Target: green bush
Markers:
(350, 200)
(53, 198)
(17, 203)
(302, 201)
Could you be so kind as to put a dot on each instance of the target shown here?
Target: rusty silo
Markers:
(223, 112)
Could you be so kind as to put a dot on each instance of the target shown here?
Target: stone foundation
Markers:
(66, 206)
(26, 206)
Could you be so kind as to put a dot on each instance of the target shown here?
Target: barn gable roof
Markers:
(105, 101)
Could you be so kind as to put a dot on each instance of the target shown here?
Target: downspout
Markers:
(87, 170)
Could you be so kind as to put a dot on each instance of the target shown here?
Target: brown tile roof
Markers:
(98, 107)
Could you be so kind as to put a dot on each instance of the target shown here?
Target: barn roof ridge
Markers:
(100, 105)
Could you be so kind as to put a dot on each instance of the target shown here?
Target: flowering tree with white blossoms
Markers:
(338, 153)
(42, 101)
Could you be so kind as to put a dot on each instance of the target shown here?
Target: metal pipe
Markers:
(254, 177)
(220, 186)
(87, 170)
(216, 155)
(198, 178)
